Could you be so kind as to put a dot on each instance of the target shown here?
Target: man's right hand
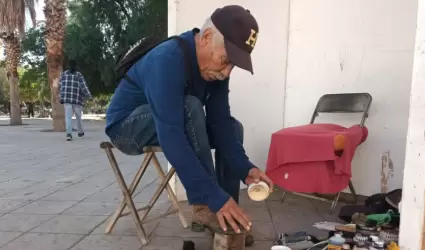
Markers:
(233, 214)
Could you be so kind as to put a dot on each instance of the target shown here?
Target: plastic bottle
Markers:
(336, 242)
(392, 246)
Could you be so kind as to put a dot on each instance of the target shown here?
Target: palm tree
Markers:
(12, 28)
(55, 14)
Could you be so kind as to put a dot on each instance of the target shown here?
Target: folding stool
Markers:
(139, 220)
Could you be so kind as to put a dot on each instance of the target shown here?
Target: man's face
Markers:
(213, 62)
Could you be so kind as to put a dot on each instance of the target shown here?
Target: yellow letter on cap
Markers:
(252, 39)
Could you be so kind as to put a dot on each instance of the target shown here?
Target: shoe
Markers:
(249, 239)
(80, 134)
(68, 137)
(203, 218)
(393, 198)
(188, 245)
(201, 215)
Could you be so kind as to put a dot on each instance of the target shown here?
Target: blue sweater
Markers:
(161, 79)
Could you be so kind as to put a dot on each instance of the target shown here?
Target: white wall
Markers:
(412, 207)
(334, 46)
(256, 100)
(355, 46)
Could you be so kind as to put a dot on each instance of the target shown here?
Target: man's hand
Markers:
(233, 214)
(255, 175)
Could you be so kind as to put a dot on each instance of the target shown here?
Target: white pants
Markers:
(69, 110)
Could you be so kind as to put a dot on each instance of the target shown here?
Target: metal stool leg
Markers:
(282, 198)
(353, 192)
(335, 201)
(127, 197)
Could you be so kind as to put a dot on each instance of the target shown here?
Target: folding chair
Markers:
(139, 220)
(340, 103)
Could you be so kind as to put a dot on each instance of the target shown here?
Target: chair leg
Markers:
(334, 203)
(158, 192)
(353, 192)
(282, 198)
(132, 188)
(171, 194)
(127, 196)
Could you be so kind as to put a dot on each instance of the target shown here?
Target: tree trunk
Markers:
(55, 14)
(54, 70)
(13, 53)
(15, 107)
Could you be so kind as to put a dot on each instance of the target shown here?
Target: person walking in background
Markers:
(30, 110)
(73, 93)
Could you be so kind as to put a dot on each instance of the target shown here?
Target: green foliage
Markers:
(99, 103)
(33, 82)
(33, 85)
(97, 31)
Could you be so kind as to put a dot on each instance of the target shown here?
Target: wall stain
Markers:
(387, 171)
(342, 56)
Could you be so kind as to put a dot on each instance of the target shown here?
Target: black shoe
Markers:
(68, 137)
(393, 198)
(249, 240)
(81, 134)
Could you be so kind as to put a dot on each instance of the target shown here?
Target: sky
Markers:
(39, 10)
(40, 16)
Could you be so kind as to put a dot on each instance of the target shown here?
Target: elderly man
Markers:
(151, 107)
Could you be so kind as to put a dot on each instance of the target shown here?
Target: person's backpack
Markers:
(124, 61)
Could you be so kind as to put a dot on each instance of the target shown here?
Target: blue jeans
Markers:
(69, 110)
(138, 131)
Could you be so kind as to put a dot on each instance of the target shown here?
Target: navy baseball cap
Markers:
(240, 31)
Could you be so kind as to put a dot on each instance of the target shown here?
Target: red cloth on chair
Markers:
(303, 159)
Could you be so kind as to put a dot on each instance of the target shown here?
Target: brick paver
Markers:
(57, 195)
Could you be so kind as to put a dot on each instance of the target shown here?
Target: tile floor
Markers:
(57, 196)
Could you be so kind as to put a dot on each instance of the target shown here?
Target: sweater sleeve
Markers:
(222, 125)
(165, 80)
(83, 86)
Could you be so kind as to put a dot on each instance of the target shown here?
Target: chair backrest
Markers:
(344, 103)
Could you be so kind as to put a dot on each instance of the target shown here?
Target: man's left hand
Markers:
(255, 175)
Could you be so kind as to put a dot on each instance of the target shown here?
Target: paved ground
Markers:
(56, 195)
